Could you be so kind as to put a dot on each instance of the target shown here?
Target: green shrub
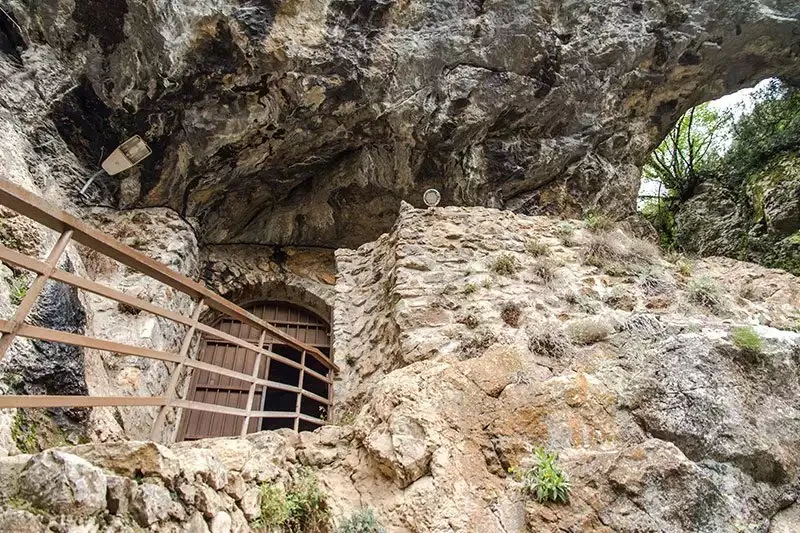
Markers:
(536, 248)
(598, 222)
(23, 431)
(505, 265)
(470, 288)
(747, 340)
(362, 521)
(487, 283)
(19, 288)
(301, 509)
(545, 480)
(705, 291)
(564, 230)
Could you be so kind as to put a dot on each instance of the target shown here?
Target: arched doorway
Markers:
(297, 321)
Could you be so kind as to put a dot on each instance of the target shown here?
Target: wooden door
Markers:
(206, 387)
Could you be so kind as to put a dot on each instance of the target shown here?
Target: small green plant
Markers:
(684, 268)
(470, 320)
(598, 222)
(505, 265)
(19, 288)
(536, 248)
(486, 283)
(564, 230)
(545, 480)
(511, 314)
(362, 521)
(470, 288)
(303, 508)
(747, 340)
(705, 291)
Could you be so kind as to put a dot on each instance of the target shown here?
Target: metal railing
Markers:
(72, 229)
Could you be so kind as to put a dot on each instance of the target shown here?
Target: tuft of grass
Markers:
(564, 231)
(303, 508)
(362, 521)
(653, 283)
(470, 320)
(602, 249)
(545, 269)
(537, 248)
(470, 288)
(706, 292)
(599, 222)
(19, 288)
(549, 343)
(589, 330)
(684, 268)
(505, 265)
(545, 480)
(511, 314)
(486, 283)
(747, 340)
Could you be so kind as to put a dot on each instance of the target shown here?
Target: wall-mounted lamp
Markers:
(431, 197)
(128, 154)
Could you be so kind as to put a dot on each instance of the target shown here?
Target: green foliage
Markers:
(301, 509)
(505, 265)
(23, 431)
(747, 340)
(598, 222)
(564, 231)
(545, 480)
(19, 288)
(536, 248)
(362, 521)
(486, 283)
(660, 213)
(470, 288)
(772, 127)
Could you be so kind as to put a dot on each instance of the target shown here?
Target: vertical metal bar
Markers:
(252, 393)
(33, 292)
(329, 414)
(300, 393)
(158, 424)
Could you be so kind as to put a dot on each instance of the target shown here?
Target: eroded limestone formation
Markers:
(306, 121)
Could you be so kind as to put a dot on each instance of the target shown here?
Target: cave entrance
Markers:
(299, 322)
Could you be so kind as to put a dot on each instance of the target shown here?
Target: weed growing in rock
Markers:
(511, 314)
(705, 291)
(589, 330)
(478, 344)
(19, 288)
(684, 268)
(537, 248)
(642, 251)
(598, 222)
(505, 265)
(548, 343)
(653, 282)
(602, 249)
(564, 231)
(303, 508)
(470, 288)
(545, 480)
(747, 340)
(362, 521)
(545, 269)
(487, 283)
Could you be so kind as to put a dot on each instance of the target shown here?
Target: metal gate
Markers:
(290, 409)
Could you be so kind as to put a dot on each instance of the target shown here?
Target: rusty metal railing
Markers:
(73, 230)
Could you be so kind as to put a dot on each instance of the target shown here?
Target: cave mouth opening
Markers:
(722, 144)
(298, 321)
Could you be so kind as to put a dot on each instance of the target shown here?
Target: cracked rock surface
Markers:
(306, 121)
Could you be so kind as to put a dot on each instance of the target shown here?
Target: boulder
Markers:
(63, 483)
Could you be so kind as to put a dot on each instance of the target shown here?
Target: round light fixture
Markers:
(431, 197)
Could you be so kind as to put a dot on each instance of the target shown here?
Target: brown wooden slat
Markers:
(12, 401)
(220, 409)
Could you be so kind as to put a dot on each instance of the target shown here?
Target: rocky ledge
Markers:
(467, 339)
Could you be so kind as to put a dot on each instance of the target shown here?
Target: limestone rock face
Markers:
(305, 122)
(759, 223)
(469, 337)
